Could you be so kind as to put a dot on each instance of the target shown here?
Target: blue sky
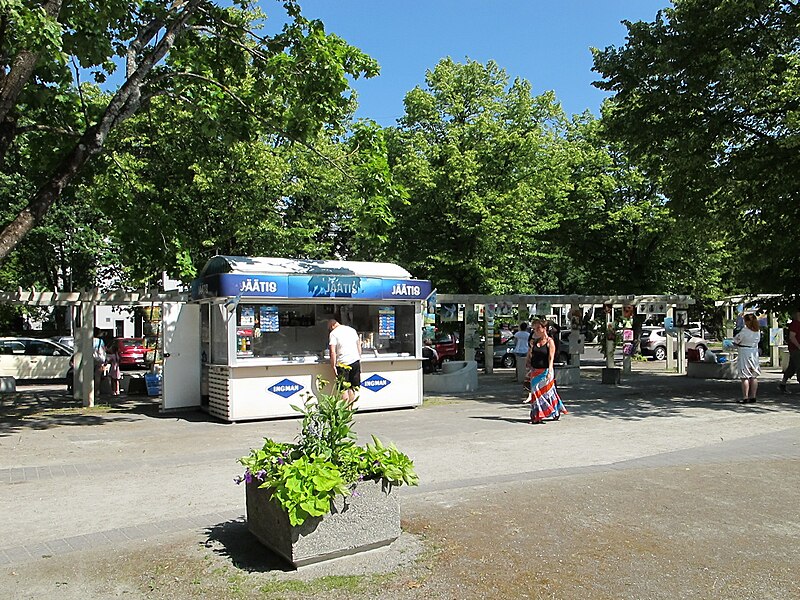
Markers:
(544, 41)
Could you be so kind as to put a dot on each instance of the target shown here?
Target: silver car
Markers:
(32, 358)
(654, 343)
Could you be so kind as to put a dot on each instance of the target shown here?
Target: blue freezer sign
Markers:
(375, 383)
(315, 286)
(285, 388)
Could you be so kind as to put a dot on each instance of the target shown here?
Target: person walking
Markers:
(543, 397)
(344, 346)
(747, 366)
(522, 340)
(793, 366)
(98, 358)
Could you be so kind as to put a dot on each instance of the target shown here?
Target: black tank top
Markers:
(540, 356)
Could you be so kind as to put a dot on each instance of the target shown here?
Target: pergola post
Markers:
(488, 337)
(84, 362)
(670, 341)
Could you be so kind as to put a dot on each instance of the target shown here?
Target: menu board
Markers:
(268, 318)
(386, 322)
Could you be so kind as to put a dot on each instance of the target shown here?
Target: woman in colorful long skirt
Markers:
(544, 399)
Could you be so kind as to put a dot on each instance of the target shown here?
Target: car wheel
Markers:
(660, 353)
(701, 351)
(509, 361)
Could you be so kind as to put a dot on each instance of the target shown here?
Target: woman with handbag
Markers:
(543, 397)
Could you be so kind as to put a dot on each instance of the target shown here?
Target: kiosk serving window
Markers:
(274, 330)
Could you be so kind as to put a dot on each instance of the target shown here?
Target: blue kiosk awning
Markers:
(258, 277)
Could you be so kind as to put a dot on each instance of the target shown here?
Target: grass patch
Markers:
(349, 583)
(439, 400)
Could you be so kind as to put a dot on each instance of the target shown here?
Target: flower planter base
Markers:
(368, 519)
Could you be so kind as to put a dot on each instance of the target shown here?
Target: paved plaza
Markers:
(661, 487)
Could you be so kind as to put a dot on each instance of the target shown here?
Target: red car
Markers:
(132, 352)
(446, 345)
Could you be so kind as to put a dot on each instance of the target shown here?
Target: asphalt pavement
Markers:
(75, 481)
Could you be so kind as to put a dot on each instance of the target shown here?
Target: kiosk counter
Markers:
(264, 332)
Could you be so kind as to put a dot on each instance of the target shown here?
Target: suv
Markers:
(653, 342)
(32, 358)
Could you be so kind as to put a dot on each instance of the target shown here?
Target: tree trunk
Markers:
(27, 219)
(124, 103)
(21, 69)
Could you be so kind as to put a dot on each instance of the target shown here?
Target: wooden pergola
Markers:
(86, 301)
(671, 302)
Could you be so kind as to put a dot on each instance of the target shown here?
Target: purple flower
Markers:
(261, 475)
(355, 494)
(238, 479)
(280, 461)
(248, 477)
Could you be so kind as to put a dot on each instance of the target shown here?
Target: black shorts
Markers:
(351, 375)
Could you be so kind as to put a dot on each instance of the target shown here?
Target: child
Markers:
(114, 372)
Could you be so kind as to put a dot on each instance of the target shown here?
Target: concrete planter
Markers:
(368, 519)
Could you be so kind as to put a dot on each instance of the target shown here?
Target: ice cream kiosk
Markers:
(264, 332)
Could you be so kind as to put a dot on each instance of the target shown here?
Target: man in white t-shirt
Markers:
(345, 353)
(521, 340)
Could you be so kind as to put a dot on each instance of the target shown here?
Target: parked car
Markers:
(31, 358)
(504, 353)
(697, 330)
(653, 342)
(446, 345)
(132, 352)
(65, 340)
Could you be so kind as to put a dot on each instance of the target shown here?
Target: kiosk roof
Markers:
(287, 266)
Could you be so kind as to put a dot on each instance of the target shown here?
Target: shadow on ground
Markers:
(641, 395)
(233, 541)
(44, 407)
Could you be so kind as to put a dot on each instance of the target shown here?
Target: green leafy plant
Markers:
(306, 476)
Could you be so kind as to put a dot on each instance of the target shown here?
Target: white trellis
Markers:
(86, 301)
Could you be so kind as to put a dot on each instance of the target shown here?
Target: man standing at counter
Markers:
(345, 352)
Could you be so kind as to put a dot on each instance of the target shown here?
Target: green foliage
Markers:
(327, 425)
(388, 463)
(480, 161)
(214, 107)
(705, 101)
(306, 486)
(306, 476)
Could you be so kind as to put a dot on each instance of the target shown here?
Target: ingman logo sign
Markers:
(375, 383)
(285, 388)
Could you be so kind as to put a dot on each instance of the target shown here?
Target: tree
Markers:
(191, 51)
(617, 232)
(707, 101)
(480, 163)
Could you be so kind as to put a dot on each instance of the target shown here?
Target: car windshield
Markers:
(130, 343)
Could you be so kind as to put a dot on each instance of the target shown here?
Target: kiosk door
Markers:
(181, 351)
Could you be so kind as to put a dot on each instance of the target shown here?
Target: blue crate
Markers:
(153, 383)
